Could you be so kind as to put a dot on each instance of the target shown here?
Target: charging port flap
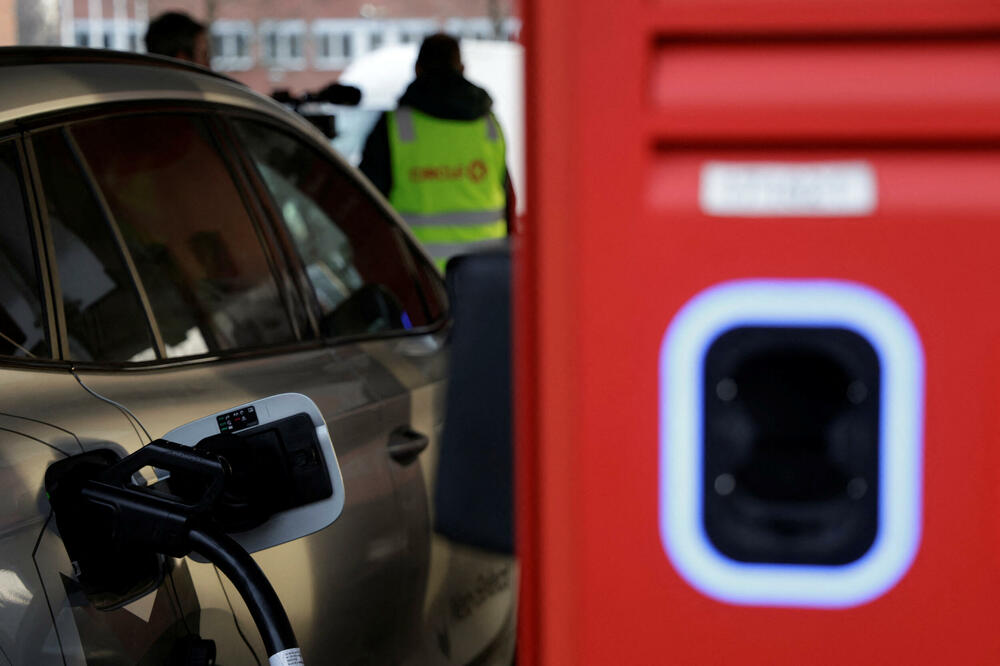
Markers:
(290, 484)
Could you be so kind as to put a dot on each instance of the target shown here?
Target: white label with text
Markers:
(786, 189)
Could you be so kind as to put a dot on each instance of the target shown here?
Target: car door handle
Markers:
(405, 444)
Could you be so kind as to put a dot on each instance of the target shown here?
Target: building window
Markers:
(231, 42)
(476, 28)
(295, 48)
(332, 46)
(270, 46)
(283, 44)
(414, 30)
(483, 28)
(110, 33)
(336, 42)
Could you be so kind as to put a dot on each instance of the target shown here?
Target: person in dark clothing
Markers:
(177, 35)
(439, 157)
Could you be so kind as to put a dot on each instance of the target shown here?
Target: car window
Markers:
(196, 249)
(22, 320)
(105, 320)
(362, 271)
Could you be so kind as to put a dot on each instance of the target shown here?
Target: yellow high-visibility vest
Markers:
(448, 180)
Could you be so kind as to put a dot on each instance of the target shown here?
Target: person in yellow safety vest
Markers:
(440, 157)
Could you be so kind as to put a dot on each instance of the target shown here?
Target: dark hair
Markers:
(173, 33)
(439, 52)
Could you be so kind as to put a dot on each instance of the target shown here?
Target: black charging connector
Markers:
(117, 529)
(274, 467)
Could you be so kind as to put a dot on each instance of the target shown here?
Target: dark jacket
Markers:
(442, 94)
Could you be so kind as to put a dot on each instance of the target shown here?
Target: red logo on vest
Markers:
(477, 171)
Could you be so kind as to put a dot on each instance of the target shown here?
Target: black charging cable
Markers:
(88, 488)
(265, 607)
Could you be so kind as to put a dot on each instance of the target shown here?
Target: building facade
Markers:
(8, 22)
(298, 45)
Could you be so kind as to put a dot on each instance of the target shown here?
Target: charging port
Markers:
(791, 445)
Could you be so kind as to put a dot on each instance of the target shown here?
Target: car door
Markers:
(216, 322)
(469, 608)
(336, 230)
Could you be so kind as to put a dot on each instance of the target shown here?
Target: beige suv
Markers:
(174, 244)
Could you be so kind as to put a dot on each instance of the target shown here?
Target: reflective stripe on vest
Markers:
(462, 219)
(448, 180)
(451, 249)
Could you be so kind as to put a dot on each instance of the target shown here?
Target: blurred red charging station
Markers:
(758, 333)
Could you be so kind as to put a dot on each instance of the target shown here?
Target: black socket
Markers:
(791, 445)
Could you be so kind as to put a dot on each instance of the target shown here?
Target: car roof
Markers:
(42, 80)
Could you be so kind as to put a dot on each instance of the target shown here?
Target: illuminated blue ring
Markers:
(798, 303)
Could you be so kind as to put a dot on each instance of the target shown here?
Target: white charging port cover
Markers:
(293, 523)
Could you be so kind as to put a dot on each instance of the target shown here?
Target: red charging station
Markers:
(757, 335)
